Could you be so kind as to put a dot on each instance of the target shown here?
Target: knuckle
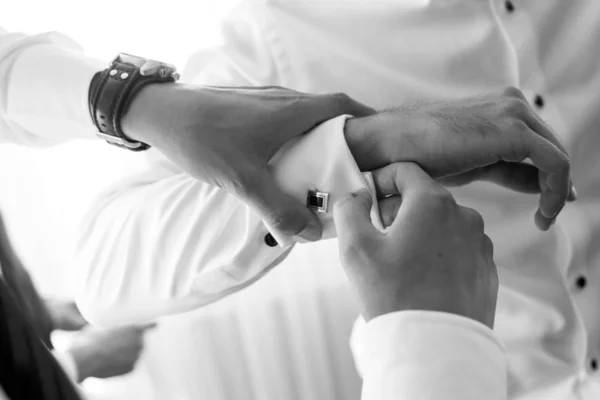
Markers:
(283, 221)
(519, 127)
(565, 165)
(515, 106)
(512, 91)
(494, 278)
(488, 245)
(439, 198)
(474, 218)
(341, 99)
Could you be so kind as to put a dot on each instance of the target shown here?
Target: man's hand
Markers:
(65, 315)
(226, 137)
(108, 352)
(485, 138)
(434, 255)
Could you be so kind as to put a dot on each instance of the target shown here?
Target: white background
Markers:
(44, 193)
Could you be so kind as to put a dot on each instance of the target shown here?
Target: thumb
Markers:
(284, 215)
(352, 217)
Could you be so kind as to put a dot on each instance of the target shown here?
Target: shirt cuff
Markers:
(432, 355)
(322, 161)
(67, 363)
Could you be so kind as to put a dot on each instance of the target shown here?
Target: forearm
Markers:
(44, 81)
(164, 243)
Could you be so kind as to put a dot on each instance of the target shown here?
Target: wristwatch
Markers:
(112, 91)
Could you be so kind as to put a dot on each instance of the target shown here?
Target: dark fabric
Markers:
(22, 289)
(110, 96)
(28, 371)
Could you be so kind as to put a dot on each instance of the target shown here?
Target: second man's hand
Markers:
(434, 255)
(477, 138)
(107, 352)
(227, 136)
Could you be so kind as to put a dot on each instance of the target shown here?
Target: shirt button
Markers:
(581, 282)
(539, 101)
(270, 240)
(510, 7)
(594, 364)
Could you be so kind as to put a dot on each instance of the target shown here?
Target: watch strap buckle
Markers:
(117, 141)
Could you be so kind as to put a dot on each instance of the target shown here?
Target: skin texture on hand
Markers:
(107, 352)
(227, 136)
(479, 138)
(434, 255)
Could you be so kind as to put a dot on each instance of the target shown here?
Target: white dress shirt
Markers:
(161, 242)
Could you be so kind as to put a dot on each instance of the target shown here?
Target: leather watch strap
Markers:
(111, 93)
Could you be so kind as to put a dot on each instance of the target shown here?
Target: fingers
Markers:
(341, 103)
(537, 125)
(285, 216)
(418, 191)
(475, 219)
(551, 160)
(332, 105)
(399, 178)
(352, 217)
(388, 209)
(561, 188)
(533, 120)
(519, 177)
(488, 247)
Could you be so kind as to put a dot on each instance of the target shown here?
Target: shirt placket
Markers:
(520, 30)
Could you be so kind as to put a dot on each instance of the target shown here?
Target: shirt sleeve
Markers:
(161, 242)
(44, 82)
(428, 355)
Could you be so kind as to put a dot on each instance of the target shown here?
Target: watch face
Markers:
(130, 59)
(148, 67)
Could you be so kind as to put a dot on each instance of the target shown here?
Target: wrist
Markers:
(377, 141)
(159, 107)
(148, 113)
(355, 134)
(365, 143)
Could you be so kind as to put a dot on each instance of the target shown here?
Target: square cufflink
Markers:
(317, 201)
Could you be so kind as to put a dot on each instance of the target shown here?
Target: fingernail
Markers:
(284, 241)
(559, 210)
(572, 194)
(312, 232)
